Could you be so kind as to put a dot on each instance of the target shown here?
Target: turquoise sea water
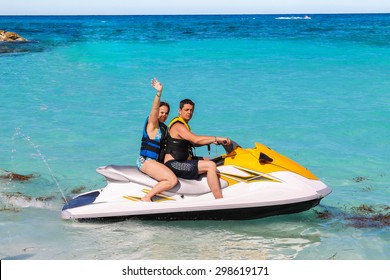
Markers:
(76, 96)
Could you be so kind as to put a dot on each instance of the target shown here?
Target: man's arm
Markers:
(199, 140)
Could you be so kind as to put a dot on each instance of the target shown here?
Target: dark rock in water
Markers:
(366, 216)
(45, 198)
(10, 37)
(13, 43)
(15, 176)
(324, 215)
(78, 190)
(359, 179)
(363, 216)
(363, 209)
(373, 221)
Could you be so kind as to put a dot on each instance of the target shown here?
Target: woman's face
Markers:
(163, 114)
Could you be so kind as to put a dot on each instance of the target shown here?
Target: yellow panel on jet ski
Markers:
(249, 158)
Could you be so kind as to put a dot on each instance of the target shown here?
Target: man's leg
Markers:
(212, 177)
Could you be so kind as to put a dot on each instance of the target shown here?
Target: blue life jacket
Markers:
(149, 147)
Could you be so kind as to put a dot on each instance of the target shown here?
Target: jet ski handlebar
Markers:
(231, 147)
(228, 148)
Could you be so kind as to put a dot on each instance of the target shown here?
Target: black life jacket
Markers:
(180, 149)
(152, 148)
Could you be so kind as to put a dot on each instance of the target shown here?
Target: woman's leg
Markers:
(212, 177)
(158, 171)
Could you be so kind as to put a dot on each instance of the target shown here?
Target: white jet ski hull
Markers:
(254, 185)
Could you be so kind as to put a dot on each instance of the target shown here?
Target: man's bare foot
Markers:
(146, 199)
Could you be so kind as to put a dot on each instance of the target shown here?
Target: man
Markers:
(179, 157)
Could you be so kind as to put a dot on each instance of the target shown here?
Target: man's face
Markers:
(186, 112)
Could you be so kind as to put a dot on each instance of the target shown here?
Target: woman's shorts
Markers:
(141, 160)
(187, 169)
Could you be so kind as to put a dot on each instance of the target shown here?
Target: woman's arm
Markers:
(153, 123)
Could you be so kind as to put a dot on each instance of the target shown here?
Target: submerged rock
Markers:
(78, 190)
(6, 36)
(363, 216)
(12, 176)
(359, 179)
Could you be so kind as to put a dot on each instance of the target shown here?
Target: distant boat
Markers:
(306, 17)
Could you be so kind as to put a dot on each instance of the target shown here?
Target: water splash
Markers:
(19, 133)
(18, 200)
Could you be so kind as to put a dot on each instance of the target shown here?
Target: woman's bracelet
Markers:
(159, 95)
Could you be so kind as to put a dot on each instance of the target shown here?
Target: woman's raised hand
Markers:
(157, 85)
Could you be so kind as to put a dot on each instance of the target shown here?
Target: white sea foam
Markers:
(293, 18)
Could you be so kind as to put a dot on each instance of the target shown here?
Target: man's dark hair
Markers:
(186, 101)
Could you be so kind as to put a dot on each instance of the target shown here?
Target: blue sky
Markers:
(134, 7)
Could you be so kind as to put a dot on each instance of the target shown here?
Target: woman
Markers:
(154, 131)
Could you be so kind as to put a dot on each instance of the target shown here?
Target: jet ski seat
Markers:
(126, 174)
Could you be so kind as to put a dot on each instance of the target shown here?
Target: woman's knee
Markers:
(170, 177)
(173, 181)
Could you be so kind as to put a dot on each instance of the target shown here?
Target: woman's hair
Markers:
(162, 103)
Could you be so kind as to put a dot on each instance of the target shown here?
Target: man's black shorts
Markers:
(187, 169)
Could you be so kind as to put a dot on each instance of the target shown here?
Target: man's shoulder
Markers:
(177, 121)
(178, 126)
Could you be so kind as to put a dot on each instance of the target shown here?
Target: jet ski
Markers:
(256, 182)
